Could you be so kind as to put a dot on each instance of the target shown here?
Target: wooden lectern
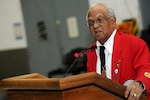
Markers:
(87, 86)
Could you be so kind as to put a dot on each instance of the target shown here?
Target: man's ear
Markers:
(113, 21)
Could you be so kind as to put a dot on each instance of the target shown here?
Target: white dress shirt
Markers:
(108, 55)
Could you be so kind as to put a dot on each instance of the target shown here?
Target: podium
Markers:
(86, 86)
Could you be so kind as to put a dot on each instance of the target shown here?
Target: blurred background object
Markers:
(146, 36)
(74, 63)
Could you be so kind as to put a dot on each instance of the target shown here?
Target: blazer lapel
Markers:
(117, 58)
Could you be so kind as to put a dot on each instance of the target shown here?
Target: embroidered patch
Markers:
(147, 74)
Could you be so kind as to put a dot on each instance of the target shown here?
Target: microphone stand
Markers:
(72, 64)
(92, 48)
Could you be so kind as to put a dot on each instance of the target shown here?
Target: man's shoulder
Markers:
(129, 39)
(128, 36)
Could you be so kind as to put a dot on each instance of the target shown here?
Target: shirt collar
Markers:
(109, 43)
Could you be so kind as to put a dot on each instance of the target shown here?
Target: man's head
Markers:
(101, 22)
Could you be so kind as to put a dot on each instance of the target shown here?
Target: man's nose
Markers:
(96, 24)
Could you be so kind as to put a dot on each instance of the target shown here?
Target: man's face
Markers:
(100, 24)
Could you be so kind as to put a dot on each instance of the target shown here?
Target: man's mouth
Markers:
(98, 31)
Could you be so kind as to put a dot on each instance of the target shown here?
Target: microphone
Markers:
(80, 53)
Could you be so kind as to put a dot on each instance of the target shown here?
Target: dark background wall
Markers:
(13, 62)
(145, 33)
(145, 6)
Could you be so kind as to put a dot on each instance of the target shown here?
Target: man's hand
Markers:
(134, 91)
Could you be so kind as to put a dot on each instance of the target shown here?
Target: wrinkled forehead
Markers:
(97, 11)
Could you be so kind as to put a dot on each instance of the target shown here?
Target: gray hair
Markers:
(110, 11)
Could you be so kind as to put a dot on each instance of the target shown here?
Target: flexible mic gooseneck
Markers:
(91, 48)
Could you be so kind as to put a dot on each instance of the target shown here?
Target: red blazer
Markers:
(130, 56)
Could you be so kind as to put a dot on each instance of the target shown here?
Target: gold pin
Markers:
(103, 72)
(118, 63)
(147, 74)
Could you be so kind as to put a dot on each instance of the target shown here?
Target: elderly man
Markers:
(120, 57)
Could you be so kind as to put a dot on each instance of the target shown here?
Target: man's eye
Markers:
(90, 23)
(99, 20)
